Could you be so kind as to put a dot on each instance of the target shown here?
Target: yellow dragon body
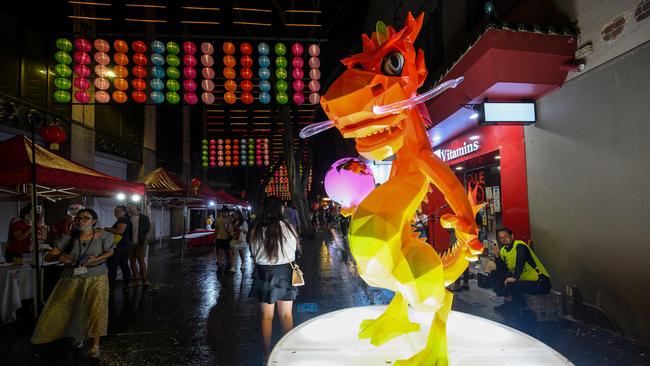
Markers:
(388, 253)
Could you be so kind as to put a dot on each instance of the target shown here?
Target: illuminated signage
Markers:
(493, 113)
(451, 154)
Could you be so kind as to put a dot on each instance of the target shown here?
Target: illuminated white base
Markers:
(331, 339)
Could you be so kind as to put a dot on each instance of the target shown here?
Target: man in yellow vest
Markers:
(519, 272)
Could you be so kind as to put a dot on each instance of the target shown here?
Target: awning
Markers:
(232, 200)
(502, 65)
(56, 177)
(160, 182)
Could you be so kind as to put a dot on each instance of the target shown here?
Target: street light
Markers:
(120, 196)
(135, 198)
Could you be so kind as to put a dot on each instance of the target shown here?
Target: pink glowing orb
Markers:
(348, 181)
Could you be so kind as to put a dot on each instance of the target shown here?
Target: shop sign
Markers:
(451, 154)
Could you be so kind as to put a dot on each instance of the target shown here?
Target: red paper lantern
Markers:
(246, 73)
(196, 183)
(246, 85)
(53, 134)
(139, 46)
(246, 48)
(139, 96)
(140, 59)
(138, 84)
(139, 72)
(247, 97)
(246, 61)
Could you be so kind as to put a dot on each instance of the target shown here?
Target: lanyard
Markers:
(86, 251)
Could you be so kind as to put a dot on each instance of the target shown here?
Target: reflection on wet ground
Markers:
(194, 315)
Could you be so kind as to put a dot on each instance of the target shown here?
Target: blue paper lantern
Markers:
(156, 84)
(156, 96)
(263, 48)
(157, 59)
(264, 73)
(158, 72)
(157, 47)
(265, 97)
(264, 61)
(265, 85)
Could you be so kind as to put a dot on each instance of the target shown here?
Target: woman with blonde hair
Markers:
(78, 305)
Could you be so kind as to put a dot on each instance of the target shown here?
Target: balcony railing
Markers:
(112, 145)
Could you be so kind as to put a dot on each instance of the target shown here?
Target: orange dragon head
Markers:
(388, 70)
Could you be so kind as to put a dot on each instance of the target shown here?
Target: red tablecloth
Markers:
(204, 240)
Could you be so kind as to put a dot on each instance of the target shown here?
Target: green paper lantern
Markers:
(173, 73)
(281, 85)
(62, 83)
(63, 57)
(64, 44)
(280, 49)
(62, 96)
(174, 85)
(173, 48)
(173, 60)
(282, 98)
(174, 98)
(205, 154)
(204, 142)
(62, 70)
(281, 73)
(205, 164)
(281, 62)
(204, 147)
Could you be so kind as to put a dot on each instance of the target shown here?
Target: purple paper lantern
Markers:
(348, 181)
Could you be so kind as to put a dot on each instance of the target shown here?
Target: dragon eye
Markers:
(392, 64)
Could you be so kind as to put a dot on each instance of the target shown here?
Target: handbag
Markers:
(296, 277)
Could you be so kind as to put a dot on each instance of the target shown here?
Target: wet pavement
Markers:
(194, 315)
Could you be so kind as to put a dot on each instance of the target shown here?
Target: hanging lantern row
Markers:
(235, 152)
(63, 72)
(264, 73)
(207, 72)
(115, 79)
(281, 73)
(314, 74)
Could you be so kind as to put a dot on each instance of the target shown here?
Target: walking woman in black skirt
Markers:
(273, 245)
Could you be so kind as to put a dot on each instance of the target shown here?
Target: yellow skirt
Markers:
(77, 308)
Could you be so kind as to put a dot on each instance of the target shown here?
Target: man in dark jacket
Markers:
(137, 252)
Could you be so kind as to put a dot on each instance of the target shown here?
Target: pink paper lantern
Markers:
(314, 86)
(189, 47)
(190, 98)
(314, 74)
(314, 98)
(101, 84)
(82, 45)
(81, 96)
(298, 85)
(189, 60)
(207, 73)
(213, 164)
(81, 70)
(314, 62)
(81, 83)
(297, 49)
(102, 70)
(314, 50)
(102, 97)
(189, 85)
(189, 72)
(207, 98)
(297, 73)
(207, 85)
(102, 46)
(207, 48)
(298, 98)
(207, 60)
(102, 58)
(348, 181)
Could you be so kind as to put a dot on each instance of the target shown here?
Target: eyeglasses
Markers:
(83, 218)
